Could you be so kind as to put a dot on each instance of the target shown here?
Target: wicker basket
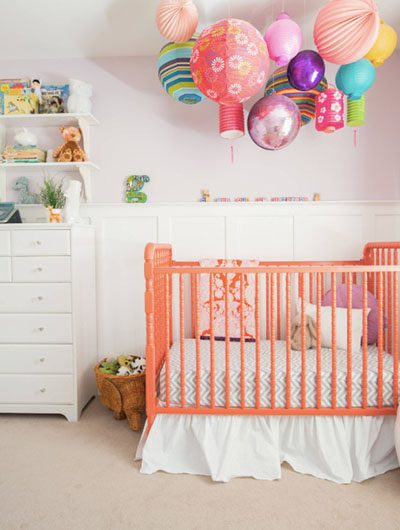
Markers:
(123, 394)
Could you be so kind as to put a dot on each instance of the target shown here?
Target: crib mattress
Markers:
(280, 376)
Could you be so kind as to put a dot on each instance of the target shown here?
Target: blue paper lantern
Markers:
(174, 72)
(355, 79)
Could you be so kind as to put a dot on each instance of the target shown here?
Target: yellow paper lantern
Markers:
(384, 45)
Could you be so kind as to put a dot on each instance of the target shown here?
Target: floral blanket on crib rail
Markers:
(221, 282)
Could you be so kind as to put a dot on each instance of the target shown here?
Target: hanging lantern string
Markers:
(232, 155)
(355, 137)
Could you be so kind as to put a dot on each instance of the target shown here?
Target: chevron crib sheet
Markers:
(280, 374)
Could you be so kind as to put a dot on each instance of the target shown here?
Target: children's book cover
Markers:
(54, 99)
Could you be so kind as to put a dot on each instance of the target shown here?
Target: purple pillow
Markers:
(357, 298)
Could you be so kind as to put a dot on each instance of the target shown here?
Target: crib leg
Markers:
(150, 421)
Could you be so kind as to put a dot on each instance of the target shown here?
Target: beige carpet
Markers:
(56, 475)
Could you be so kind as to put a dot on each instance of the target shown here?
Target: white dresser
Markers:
(47, 318)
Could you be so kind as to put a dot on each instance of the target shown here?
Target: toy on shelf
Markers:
(241, 199)
(261, 199)
(316, 197)
(25, 138)
(25, 196)
(289, 199)
(205, 196)
(72, 203)
(222, 199)
(36, 89)
(134, 185)
(54, 99)
(79, 101)
(70, 151)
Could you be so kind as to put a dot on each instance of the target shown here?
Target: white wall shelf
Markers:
(83, 121)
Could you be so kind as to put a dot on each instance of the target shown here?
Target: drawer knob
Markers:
(38, 242)
(43, 390)
(41, 329)
(42, 359)
(39, 269)
(40, 298)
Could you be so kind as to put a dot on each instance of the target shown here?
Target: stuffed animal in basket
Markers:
(70, 151)
(79, 100)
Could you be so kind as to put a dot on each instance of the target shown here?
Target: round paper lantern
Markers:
(229, 64)
(177, 19)
(356, 112)
(355, 78)
(283, 38)
(279, 83)
(329, 110)
(306, 70)
(345, 30)
(274, 122)
(174, 72)
(384, 45)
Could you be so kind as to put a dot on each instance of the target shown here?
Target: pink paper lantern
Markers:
(329, 111)
(283, 39)
(345, 30)
(229, 64)
(177, 19)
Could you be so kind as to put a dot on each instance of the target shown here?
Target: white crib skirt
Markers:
(338, 448)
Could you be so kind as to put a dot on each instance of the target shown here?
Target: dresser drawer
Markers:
(5, 269)
(43, 269)
(40, 242)
(35, 298)
(35, 329)
(5, 247)
(36, 358)
(36, 389)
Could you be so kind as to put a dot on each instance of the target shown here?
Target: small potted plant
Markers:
(52, 197)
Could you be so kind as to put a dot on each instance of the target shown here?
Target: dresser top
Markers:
(44, 226)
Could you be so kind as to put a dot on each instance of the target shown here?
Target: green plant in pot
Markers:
(51, 195)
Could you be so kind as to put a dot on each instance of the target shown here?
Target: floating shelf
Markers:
(46, 120)
(51, 166)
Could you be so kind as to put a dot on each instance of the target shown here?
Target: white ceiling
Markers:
(104, 28)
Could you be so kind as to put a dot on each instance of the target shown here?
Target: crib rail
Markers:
(256, 372)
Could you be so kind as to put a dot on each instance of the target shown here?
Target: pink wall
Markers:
(144, 131)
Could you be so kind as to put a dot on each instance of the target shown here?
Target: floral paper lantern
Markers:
(329, 111)
(279, 83)
(229, 64)
(177, 19)
(283, 38)
(174, 72)
(345, 30)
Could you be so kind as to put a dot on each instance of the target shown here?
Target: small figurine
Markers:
(79, 100)
(24, 195)
(316, 197)
(25, 138)
(73, 198)
(134, 184)
(205, 196)
(36, 87)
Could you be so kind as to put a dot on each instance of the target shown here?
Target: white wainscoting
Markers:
(271, 231)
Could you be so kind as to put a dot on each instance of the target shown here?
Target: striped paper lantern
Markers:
(279, 83)
(177, 19)
(174, 72)
(329, 111)
(356, 112)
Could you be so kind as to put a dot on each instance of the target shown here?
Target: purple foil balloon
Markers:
(306, 70)
(274, 122)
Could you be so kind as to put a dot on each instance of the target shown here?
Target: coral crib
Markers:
(221, 335)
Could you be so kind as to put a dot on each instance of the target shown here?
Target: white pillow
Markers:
(341, 325)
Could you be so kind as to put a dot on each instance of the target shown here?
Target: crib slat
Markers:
(167, 341)
(318, 357)
(288, 340)
(349, 337)
(365, 339)
(227, 344)
(310, 282)
(182, 334)
(212, 343)
(272, 375)
(258, 338)
(267, 306)
(395, 350)
(334, 349)
(380, 338)
(389, 303)
(278, 306)
(303, 343)
(242, 354)
(198, 365)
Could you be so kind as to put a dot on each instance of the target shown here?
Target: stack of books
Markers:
(24, 154)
